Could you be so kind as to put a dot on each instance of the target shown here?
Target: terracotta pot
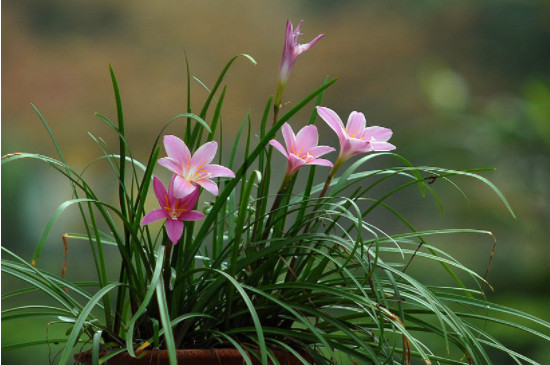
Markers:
(189, 357)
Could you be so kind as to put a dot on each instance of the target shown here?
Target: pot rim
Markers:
(208, 354)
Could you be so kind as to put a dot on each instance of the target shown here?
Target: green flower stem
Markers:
(330, 176)
(167, 269)
(282, 190)
(294, 263)
(278, 97)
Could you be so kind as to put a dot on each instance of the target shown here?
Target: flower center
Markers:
(354, 134)
(306, 157)
(195, 174)
(177, 210)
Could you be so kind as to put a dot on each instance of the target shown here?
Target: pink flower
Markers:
(174, 210)
(292, 49)
(302, 149)
(356, 137)
(191, 170)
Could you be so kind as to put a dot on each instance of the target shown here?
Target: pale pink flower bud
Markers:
(292, 49)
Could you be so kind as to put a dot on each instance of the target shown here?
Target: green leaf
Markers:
(253, 314)
(144, 301)
(165, 320)
(50, 225)
(82, 317)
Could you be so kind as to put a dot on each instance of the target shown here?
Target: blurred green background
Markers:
(463, 84)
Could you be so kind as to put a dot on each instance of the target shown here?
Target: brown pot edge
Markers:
(229, 354)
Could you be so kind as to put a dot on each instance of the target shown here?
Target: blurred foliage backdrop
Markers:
(463, 84)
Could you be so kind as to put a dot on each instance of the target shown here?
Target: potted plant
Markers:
(226, 263)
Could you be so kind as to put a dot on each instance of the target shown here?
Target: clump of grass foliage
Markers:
(303, 269)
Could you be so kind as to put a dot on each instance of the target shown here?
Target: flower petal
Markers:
(382, 146)
(353, 146)
(296, 32)
(307, 138)
(289, 137)
(153, 216)
(319, 151)
(380, 134)
(294, 163)
(174, 229)
(333, 121)
(177, 149)
(356, 124)
(289, 41)
(192, 215)
(171, 197)
(160, 191)
(182, 187)
(279, 147)
(204, 155)
(358, 146)
(305, 47)
(321, 162)
(218, 171)
(171, 164)
(209, 186)
(191, 198)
